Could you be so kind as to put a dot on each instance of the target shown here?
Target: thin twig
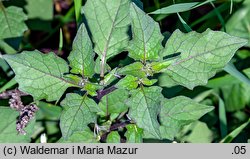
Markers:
(104, 92)
(112, 128)
(118, 125)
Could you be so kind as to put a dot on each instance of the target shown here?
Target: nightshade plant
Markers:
(124, 104)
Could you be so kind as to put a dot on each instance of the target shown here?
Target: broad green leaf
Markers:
(81, 57)
(220, 81)
(134, 69)
(133, 134)
(86, 136)
(108, 22)
(48, 111)
(91, 88)
(148, 82)
(147, 37)
(40, 9)
(164, 80)
(51, 129)
(198, 132)
(129, 82)
(40, 75)
(114, 102)
(239, 23)
(74, 78)
(201, 55)
(12, 22)
(235, 96)
(113, 137)
(77, 113)
(178, 112)
(161, 66)
(8, 132)
(144, 107)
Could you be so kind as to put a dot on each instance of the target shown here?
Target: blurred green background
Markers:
(50, 25)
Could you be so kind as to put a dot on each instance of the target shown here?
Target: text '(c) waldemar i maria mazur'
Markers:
(78, 150)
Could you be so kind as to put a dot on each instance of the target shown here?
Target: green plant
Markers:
(124, 103)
